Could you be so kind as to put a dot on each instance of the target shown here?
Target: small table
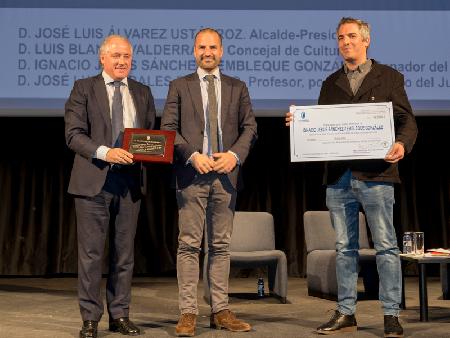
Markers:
(423, 296)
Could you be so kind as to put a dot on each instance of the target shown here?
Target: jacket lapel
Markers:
(342, 82)
(194, 90)
(134, 92)
(225, 99)
(102, 99)
(370, 81)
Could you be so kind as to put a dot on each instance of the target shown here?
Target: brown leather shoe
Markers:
(227, 319)
(186, 325)
(338, 323)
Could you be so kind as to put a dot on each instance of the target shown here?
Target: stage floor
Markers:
(47, 307)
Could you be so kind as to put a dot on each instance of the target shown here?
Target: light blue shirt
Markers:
(206, 150)
(204, 90)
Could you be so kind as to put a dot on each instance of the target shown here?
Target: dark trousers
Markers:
(113, 210)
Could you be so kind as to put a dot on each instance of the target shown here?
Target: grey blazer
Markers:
(88, 125)
(183, 112)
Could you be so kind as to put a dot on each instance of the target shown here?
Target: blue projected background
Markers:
(282, 53)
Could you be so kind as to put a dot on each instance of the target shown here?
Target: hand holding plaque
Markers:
(149, 145)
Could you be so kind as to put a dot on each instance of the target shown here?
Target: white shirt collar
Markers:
(202, 73)
(108, 79)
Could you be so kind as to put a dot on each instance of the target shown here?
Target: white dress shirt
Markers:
(129, 110)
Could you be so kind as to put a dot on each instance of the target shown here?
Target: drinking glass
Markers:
(419, 243)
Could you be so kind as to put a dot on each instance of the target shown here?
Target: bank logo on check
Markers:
(304, 116)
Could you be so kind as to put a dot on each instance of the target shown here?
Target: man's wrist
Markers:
(403, 144)
(189, 161)
(101, 152)
(238, 161)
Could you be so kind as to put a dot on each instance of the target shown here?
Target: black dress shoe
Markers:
(124, 326)
(89, 329)
(392, 327)
(338, 323)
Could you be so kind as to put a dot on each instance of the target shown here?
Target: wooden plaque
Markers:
(149, 145)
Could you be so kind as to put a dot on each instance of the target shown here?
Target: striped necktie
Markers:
(117, 115)
(212, 114)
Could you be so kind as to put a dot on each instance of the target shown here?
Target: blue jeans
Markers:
(377, 199)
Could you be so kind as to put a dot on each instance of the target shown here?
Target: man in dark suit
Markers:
(366, 183)
(106, 183)
(215, 125)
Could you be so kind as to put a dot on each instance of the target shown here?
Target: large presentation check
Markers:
(341, 132)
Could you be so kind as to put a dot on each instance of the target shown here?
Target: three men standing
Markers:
(215, 129)
(106, 183)
(213, 118)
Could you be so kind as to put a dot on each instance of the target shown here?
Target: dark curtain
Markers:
(37, 219)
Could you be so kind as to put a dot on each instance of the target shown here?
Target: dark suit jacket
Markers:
(184, 113)
(382, 84)
(88, 125)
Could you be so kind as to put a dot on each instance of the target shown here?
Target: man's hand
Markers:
(224, 162)
(119, 156)
(289, 117)
(202, 163)
(396, 153)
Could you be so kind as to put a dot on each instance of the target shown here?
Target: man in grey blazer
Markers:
(106, 182)
(213, 118)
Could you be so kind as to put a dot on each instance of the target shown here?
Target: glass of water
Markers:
(409, 243)
(419, 243)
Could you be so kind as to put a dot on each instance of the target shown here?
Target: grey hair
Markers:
(364, 27)
(104, 47)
